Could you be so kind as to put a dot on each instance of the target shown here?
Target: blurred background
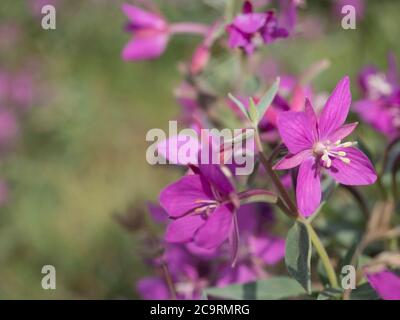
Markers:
(78, 154)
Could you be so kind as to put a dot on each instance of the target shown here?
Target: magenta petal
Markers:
(386, 284)
(241, 273)
(359, 171)
(377, 115)
(308, 189)
(236, 38)
(313, 119)
(343, 132)
(217, 228)
(293, 160)
(183, 196)
(250, 22)
(145, 46)
(141, 18)
(183, 229)
(213, 174)
(269, 249)
(179, 149)
(294, 128)
(153, 288)
(336, 108)
(157, 212)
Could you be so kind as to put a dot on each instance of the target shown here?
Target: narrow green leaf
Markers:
(267, 99)
(330, 294)
(258, 195)
(253, 112)
(239, 104)
(298, 255)
(241, 137)
(267, 289)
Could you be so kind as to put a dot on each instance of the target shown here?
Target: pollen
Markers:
(327, 151)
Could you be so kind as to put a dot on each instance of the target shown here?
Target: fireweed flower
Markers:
(258, 247)
(316, 145)
(151, 33)
(192, 268)
(249, 24)
(380, 106)
(202, 206)
(190, 274)
(386, 284)
(16, 90)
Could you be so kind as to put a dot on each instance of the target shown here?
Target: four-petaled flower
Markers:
(315, 143)
(247, 25)
(202, 206)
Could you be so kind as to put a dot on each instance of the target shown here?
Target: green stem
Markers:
(275, 179)
(292, 211)
(323, 256)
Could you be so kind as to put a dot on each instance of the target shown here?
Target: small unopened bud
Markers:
(200, 59)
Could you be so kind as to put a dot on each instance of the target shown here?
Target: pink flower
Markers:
(386, 284)
(201, 206)
(249, 24)
(380, 105)
(151, 33)
(315, 144)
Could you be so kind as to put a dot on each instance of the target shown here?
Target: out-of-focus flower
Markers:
(202, 53)
(37, 5)
(288, 10)
(386, 284)
(359, 6)
(202, 206)
(151, 33)
(16, 90)
(191, 269)
(258, 247)
(380, 106)
(316, 143)
(153, 288)
(249, 25)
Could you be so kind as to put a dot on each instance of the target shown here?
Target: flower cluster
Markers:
(219, 229)
(192, 268)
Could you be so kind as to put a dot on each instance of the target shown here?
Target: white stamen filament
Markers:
(326, 150)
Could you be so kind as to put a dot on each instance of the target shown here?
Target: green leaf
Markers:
(267, 99)
(364, 292)
(253, 112)
(258, 195)
(348, 257)
(298, 255)
(239, 104)
(330, 294)
(267, 289)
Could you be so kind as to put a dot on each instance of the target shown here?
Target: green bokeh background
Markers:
(81, 157)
